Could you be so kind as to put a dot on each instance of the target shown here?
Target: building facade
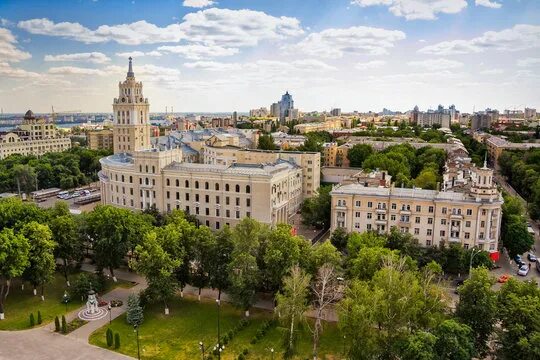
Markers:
(100, 139)
(144, 173)
(33, 137)
(471, 218)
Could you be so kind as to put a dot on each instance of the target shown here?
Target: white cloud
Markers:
(354, 40)
(492, 72)
(370, 65)
(5, 22)
(156, 72)
(8, 51)
(140, 32)
(488, 3)
(519, 37)
(137, 54)
(528, 62)
(213, 66)
(417, 9)
(196, 51)
(93, 57)
(237, 28)
(10, 72)
(74, 70)
(436, 64)
(198, 3)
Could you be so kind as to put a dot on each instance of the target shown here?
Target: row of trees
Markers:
(514, 233)
(68, 169)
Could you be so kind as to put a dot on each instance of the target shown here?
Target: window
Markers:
(444, 210)
(357, 203)
(186, 184)
(469, 212)
(404, 218)
(207, 211)
(443, 233)
(237, 214)
(237, 201)
(428, 242)
(217, 225)
(197, 197)
(207, 198)
(248, 202)
(467, 235)
(430, 220)
(217, 212)
(357, 225)
(196, 184)
(357, 214)
(394, 206)
(168, 182)
(226, 187)
(217, 199)
(227, 200)
(393, 217)
(369, 204)
(217, 188)
(228, 213)
(405, 207)
(197, 210)
(484, 212)
(341, 203)
(429, 232)
(237, 188)
(206, 185)
(417, 220)
(248, 214)
(168, 195)
(443, 221)
(368, 226)
(369, 215)
(430, 209)
(416, 231)
(187, 196)
(482, 223)
(418, 208)
(153, 169)
(248, 189)
(467, 224)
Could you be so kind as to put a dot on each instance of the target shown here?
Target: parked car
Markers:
(519, 260)
(531, 257)
(504, 278)
(523, 270)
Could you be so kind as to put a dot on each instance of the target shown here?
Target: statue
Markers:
(91, 303)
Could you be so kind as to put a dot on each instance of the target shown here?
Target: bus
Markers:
(42, 195)
(88, 199)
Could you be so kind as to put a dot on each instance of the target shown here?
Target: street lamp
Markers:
(473, 254)
(272, 352)
(110, 313)
(218, 301)
(65, 299)
(136, 329)
(201, 346)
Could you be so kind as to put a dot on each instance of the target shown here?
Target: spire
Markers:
(485, 160)
(130, 72)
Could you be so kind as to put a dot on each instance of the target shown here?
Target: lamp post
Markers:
(218, 301)
(136, 329)
(109, 307)
(201, 346)
(65, 299)
(473, 254)
(272, 352)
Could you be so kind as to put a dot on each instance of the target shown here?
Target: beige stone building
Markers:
(100, 139)
(329, 124)
(145, 174)
(34, 137)
(471, 218)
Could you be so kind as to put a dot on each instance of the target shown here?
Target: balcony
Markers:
(454, 239)
(380, 222)
(404, 223)
(405, 212)
(456, 216)
(380, 210)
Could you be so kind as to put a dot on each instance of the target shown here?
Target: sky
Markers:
(236, 55)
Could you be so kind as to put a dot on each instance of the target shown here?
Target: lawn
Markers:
(177, 335)
(20, 303)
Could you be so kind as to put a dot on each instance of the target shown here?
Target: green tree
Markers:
(339, 239)
(292, 303)
(477, 306)
(201, 261)
(266, 142)
(69, 245)
(366, 239)
(221, 259)
(157, 266)
(427, 179)
(325, 253)
(455, 341)
(316, 209)
(14, 249)
(134, 313)
(519, 313)
(42, 262)
(26, 178)
(515, 236)
(369, 260)
(358, 153)
(419, 346)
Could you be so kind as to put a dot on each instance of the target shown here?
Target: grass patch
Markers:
(20, 303)
(177, 335)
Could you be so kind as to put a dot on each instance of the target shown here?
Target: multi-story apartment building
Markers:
(329, 124)
(33, 137)
(441, 117)
(100, 139)
(144, 173)
(471, 217)
(484, 119)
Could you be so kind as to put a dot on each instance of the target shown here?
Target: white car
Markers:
(523, 270)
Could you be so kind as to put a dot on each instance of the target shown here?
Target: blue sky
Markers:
(204, 55)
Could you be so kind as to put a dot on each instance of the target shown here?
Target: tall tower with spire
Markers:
(131, 109)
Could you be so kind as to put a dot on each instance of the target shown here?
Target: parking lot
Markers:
(49, 202)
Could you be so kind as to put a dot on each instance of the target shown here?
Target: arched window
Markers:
(168, 182)
(248, 189)
(206, 185)
(226, 187)
(187, 183)
(153, 169)
(196, 184)
(217, 186)
(237, 188)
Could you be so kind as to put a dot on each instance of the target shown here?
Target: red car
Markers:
(504, 278)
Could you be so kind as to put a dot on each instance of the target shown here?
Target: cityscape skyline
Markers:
(200, 55)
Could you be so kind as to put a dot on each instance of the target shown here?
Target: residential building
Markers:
(484, 119)
(530, 113)
(100, 139)
(471, 218)
(259, 113)
(35, 136)
(330, 124)
(274, 109)
(441, 117)
(335, 112)
(162, 172)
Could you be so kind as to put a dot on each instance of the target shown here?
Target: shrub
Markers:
(116, 340)
(86, 282)
(39, 319)
(64, 325)
(245, 351)
(32, 321)
(109, 335)
(240, 357)
(56, 324)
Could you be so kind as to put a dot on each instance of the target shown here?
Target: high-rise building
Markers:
(274, 109)
(530, 113)
(429, 118)
(286, 105)
(131, 115)
(335, 112)
(484, 119)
